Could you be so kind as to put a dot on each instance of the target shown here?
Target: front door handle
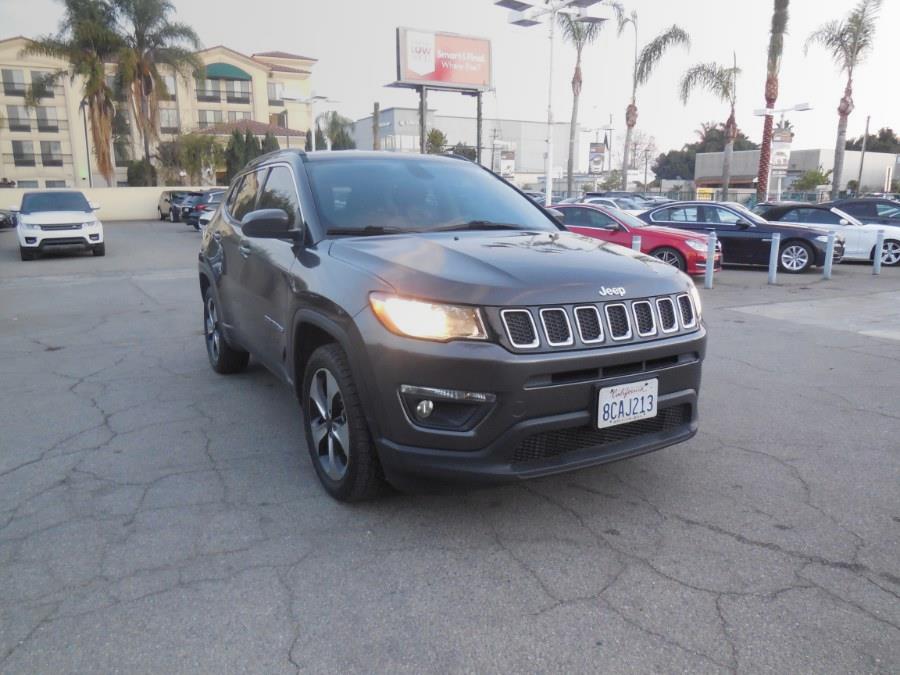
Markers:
(244, 250)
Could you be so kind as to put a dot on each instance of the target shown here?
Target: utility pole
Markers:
(423, 114)
(862, 157)
(376, 127)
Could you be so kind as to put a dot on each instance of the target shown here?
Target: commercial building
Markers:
(48, 146)
(744, 165)
(512, 147)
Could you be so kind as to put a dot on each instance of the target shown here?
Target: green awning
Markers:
(225, 71)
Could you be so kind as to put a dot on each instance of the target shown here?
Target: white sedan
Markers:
(621, 203)
(859, 239)
(56, 219)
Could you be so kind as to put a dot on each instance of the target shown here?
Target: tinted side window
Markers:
(714, 214)
(572, 217)
(661, 216)
(233, 194)
(600, 220)
(684, 214)
(245, 200)
(860, 209)
(280, 193)
(888, 210)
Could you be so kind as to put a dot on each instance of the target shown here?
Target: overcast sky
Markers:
(354, 42)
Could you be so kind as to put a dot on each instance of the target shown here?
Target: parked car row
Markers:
(188, 206)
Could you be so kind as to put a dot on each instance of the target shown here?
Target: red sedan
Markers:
(685, 250)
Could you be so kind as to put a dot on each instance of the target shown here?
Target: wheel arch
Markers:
(886, 240)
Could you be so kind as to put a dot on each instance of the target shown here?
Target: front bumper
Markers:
(40, 239)
(542, 421)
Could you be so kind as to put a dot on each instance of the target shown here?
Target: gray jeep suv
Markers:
(435, 323)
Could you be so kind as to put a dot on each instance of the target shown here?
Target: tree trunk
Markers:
(844, 109)
(630, 123)
(730, 135)
(145, 132)
(576, 95)
(765, 151)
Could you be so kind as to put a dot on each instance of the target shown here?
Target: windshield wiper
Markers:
(476, 225)
(368, 230)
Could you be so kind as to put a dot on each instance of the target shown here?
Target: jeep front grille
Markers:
(556, 327)
(643, 318)
(520, 328)
(619, 326)
(667, 320)
(688, 320)
(590, 328)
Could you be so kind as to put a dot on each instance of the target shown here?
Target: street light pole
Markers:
(548, 155)
(767, 112)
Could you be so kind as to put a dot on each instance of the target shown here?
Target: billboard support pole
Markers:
(478, 127)
(423, 113)
(376, 127)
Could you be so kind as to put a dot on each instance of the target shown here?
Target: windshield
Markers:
(376, 195)
(40, 202)
(624, 203)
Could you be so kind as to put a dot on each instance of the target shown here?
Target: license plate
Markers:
(625, 403)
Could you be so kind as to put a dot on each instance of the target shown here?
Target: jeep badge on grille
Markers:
(617, 290)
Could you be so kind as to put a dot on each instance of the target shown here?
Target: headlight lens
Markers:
(428, 320)
(28, 226)
(695, 296)
(696, 244)
(823, 238)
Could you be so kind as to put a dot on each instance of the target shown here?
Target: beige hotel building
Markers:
(47, 146)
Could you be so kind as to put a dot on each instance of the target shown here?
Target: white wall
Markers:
(124, 203)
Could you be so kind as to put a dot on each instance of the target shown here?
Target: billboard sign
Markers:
(507, 163)
(447, 60)
(781, 152)
(596, 158)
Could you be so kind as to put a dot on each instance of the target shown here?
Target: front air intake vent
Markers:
(557, 327)
(643, 318)
(668, 322)
(688, 318)
(590, 328)
(520, 328)
(617, 317)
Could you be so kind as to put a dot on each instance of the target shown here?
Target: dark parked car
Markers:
(166, 198)
(434, 322)
(747, 238)
(209, 201)
(183, 205)
(7, 218)
(870, 210)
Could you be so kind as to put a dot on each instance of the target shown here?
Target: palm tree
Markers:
(773, 65)
(152, 40)
(645, 60)
(86, 41)
(721, 82)
(848, 41)
(579, 34)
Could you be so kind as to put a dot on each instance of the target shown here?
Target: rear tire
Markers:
(27, 253)
(161, 215)
(223, 358)
(99, 250)
(890, 254)
(671, 256)
(795, 257)
(337, 435)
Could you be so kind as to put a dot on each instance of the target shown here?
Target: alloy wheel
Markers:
(668, 257)
(890, 254)
(328, 424)
(794, 257)
(213, 334)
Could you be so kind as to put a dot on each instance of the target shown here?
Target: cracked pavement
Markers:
(157, 517)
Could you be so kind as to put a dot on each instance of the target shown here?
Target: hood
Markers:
(508, 268)
(57, 217)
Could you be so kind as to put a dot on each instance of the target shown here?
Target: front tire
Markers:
(890, 254)
(161, 215)
(223, 358)
(337, 435)
(99, 250)
(27, 253)
(671, 256)
(795, 257)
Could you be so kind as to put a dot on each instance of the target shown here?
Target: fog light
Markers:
(95, 237)
(424, 409)
(30, 240)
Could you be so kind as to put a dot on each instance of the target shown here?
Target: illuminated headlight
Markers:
(92, 223)
(428, 320)
(695, 297)
(696, 244)
(823, 238)
(29, 226)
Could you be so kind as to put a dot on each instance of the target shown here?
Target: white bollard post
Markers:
(879, 251)
(773, 257)
(636, 243)
(829, 256)
(710, 261)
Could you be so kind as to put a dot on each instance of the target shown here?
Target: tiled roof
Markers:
(285, 55)
(254, 127)
(283, 69)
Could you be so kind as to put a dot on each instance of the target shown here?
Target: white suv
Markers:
(57, 218)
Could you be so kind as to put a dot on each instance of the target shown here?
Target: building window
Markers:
(210, 117)
(13, 82)
(168, 120)
(237, 115)
(27, 183)
(208, 90)
(171, 88)
(47, 119)
(276, 93)
(17, 117)
(44, 83)
(23, 153)
(51, 153)
(237, 91)
(55, 183)
(278, 119)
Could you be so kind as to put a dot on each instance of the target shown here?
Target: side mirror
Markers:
(743, 225)
(269, 224)
(14, 208)
(94, 206)
(843, 221)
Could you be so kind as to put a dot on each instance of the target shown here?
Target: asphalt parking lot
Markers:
(157, 517)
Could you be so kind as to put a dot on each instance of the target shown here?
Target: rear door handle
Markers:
(244, 250)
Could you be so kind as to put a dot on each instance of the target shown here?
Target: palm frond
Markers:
(849, 40)
(653, 51)
(776, 36)
(714, 78)
(578, 33)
